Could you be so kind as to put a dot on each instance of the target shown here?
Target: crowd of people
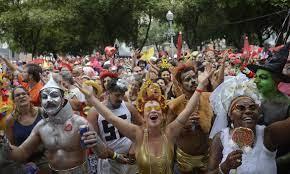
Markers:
(104, 114)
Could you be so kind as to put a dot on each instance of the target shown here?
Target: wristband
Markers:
(199, 90)
(114, 156)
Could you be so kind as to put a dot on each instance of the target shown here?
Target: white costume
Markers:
(259, 160)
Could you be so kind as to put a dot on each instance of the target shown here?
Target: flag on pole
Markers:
(179, 45)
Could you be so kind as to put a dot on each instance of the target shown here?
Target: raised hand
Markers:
(204, 78)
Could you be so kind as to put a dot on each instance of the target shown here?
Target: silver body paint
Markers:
(51, 100)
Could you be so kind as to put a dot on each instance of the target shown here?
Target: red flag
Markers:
(179, 45)
(246, 49)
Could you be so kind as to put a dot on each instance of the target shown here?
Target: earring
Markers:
(232, 125)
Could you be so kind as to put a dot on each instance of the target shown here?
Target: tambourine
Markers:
(243, 137)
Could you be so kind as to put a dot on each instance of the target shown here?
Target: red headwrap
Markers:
(106, 73)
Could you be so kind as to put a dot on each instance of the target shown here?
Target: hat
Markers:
(275, 63)
(51, 84)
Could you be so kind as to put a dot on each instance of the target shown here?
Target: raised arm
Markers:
(24, 151)
(10, 65)
(126, 128)
(175, 127)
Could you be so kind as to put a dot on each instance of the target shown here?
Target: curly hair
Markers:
(140, 103)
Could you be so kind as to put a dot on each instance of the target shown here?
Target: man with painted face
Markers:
(193, 142)
(59, 133)
(275, 105)
(111, 135)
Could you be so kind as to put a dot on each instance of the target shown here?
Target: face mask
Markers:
(51, 100)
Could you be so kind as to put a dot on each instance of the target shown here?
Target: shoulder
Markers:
(10, 121)
(79, 119)
(217, 140)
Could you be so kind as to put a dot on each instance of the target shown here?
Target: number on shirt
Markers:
(110, 129)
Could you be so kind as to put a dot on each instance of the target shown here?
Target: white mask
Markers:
(51, 100)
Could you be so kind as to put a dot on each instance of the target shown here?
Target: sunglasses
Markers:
(244, 108)
(151, 108)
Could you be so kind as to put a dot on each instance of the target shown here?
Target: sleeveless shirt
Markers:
(150, 164)
(111, 135)
(258, 161)
(21, 132)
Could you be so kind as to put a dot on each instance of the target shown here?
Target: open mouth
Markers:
(50, 106)
(153, 117)
(248, 120)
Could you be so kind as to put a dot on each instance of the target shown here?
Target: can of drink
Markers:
(83, 129)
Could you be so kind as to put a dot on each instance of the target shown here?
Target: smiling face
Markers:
(265, 83)
(244, 112)
(189, 81)
(153, 113)
(21, 97)
(166, 76)
(51, 100)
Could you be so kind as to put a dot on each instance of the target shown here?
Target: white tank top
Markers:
(110, 135)
(258, 161)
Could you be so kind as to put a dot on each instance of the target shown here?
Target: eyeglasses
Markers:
(19, 94)
(243, 108)
(150, 108)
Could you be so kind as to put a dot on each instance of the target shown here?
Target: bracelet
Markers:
(199, 90)
(114, 156)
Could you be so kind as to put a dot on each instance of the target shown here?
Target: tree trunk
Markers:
(147, 32)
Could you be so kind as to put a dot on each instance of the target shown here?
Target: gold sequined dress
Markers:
(150, 164)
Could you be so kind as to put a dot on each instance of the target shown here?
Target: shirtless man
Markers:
(59, 133)
(193, 142)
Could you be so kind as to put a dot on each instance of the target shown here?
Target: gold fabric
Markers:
(204, 109)
(186, 162)
(150, 164)
(81, 169)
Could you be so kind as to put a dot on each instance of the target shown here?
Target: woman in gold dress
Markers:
(154, 140)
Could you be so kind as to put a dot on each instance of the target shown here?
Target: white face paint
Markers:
(51, 100)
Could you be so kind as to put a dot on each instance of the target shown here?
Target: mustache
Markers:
(50, 105)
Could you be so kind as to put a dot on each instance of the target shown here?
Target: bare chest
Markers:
(56, 137)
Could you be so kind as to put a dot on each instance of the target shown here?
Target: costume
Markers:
(185, 161)
(258, 161)
(6, 104)
(223, 95)
(150, 164)
(59, 133)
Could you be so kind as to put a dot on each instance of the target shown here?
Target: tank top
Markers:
(111, 135)
(150, 164)
(258, 161)
(21, 132)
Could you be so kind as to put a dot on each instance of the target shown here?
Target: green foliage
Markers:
(81, 26)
